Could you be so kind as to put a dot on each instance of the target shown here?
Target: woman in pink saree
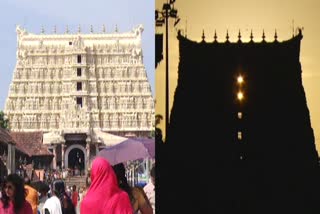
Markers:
(104, 195)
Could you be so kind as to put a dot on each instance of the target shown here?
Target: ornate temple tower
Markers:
(77, 88)
(240, 130)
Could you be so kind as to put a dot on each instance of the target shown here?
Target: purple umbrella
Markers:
(127, 150)
(149, 143)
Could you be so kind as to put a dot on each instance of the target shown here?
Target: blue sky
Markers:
(33, 14)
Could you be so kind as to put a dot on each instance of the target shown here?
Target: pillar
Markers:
(10, 162)
(97, 148)
(63, 146)
(133, 176)
(13, 152)
(9, 159)
(54, 160)
(87, 164)
(147, 165)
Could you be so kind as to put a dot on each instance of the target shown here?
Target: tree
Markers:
(158, 134)
(4, 122)
(159, 117)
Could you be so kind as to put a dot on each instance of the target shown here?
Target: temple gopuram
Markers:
(240, 137)
(80, 92)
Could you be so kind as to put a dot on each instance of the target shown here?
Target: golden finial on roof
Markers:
(203, 36)
(215, 36)
(227, 36)
(239, 36)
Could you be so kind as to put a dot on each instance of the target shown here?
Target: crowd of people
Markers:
(54, 174)
(107, 193)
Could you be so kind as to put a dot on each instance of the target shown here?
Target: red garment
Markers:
(104, 196)
(75, 198)
(26, 208)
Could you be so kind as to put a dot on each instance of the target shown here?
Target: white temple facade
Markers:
(80, 90)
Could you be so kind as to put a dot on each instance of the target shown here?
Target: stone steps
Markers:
(76, 180)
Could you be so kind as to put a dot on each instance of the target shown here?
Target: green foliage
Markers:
(158, 118)
(4, 123)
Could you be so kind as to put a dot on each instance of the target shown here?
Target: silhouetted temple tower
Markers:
(240, 137)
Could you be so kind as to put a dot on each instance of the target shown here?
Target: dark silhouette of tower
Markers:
(227, 153)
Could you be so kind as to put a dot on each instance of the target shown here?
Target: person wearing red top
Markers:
(74, 195)
(13, 197)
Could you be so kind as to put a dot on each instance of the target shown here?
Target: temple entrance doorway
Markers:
(75, 160)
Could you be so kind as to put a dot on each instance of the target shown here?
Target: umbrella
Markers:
(130, 149)
(149, 143)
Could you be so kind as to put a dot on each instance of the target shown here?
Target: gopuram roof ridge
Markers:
(263, 40)
(22, 32)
